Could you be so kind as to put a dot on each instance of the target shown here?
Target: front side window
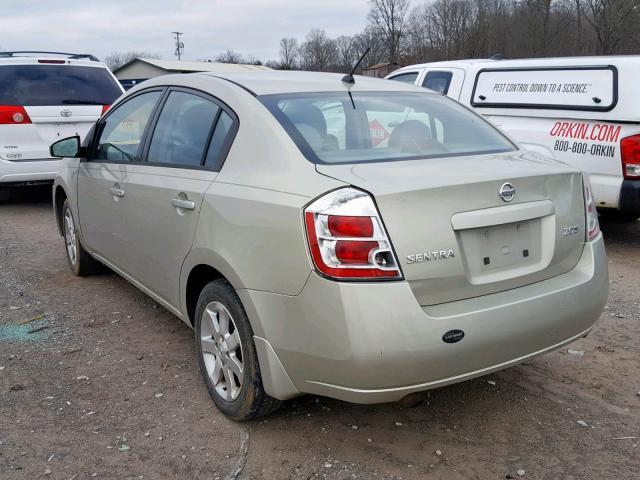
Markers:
(123, 129)
(183, 130)
(438, 81)
(406, 77)
(383, 126)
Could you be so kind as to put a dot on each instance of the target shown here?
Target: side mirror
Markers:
(67, 147)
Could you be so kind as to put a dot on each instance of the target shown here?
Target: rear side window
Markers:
(406, 77)
(438, 81)
(220, 141)
(44, 85)
(384, 126)
(183, 129)
(122, 130)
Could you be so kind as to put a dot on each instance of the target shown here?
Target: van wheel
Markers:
(614, 215)
(227, 354)
(80, 262)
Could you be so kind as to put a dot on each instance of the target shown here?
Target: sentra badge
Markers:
(430, 256)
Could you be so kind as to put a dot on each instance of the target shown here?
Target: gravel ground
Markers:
(97, 381)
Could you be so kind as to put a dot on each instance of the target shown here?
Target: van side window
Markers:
(182, 131)
(438, 81)
(406, 77)
(123, 129)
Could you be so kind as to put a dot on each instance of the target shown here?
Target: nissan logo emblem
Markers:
(507, 192)
(65, 113)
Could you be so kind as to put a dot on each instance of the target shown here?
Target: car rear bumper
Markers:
(26, 171)
(373, 342)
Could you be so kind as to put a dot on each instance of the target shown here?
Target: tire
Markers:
(227, 355)
(80, 262)
(614, 215)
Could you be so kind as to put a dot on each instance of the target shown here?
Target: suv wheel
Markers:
(227, 354)
(80, 262)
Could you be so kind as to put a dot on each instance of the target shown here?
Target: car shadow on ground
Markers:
(32, 195)
(620, 233)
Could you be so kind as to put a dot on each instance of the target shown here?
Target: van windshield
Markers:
(45, 85)
(382, 126)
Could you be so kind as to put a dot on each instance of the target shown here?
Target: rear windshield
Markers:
(382, 126)
(42, 85)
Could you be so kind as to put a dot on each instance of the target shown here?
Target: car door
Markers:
(103, 178)
(183, 153)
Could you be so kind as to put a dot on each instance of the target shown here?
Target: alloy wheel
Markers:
(222, 351)
(70, 237)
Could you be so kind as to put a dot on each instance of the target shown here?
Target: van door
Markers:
(447, 81)
(103, 179)
(183, 157)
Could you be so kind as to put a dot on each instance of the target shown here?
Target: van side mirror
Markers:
(67, 147)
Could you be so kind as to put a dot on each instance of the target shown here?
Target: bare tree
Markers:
(318, 52)
(230, 56)
(346, 53)
(117, 59)
(442, 30)
(614, 22)
(370, 39)
(389, 18)
(289, 51)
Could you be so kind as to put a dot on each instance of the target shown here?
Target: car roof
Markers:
(280, 81)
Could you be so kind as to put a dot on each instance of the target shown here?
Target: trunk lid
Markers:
(455, 237)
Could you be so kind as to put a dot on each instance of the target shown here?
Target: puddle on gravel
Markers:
(27, 332)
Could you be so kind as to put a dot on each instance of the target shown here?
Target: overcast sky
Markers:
(252, 27)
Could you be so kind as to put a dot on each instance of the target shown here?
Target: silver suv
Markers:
(361, 240)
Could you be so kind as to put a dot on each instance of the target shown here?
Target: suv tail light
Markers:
(630, 151)
(347, 238)
(593, 227)
(13, 115)
(105, 108)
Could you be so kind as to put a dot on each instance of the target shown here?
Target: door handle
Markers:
(183, 204)
(116, 192)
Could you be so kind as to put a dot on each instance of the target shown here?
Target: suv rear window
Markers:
(44, 85)
(382, 126)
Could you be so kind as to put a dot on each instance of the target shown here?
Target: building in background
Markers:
(140, 69)
(379, 70)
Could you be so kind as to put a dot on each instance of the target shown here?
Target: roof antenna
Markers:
(348, 79)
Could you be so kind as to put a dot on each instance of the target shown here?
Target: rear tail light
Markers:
(347, 238)
(105, 108)
(13, 115)
(593, 227)
(630, 151)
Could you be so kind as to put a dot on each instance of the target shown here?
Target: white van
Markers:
(582, 110)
